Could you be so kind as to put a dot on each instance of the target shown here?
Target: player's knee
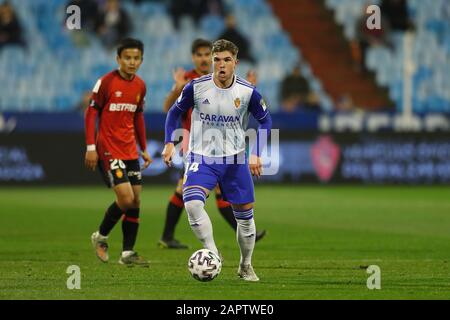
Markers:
(195, 211)
(194, 193)
(246, 227)
(127, 202)
(242, 214)
(193, 206)
(243, 207)
(136, 203)
(194, 201)
(179, 188)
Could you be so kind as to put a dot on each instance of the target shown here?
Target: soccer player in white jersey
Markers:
(221, 103)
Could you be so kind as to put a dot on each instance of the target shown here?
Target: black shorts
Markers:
(116, 171)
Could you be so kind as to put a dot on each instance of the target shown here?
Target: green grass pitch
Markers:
(319, 241)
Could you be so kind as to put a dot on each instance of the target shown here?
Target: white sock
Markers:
(246, 233)
(100, 236)
(201, 224)
(126, 253)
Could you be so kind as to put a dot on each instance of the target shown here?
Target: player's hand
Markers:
(252, 77)
(179, 78)
(167, 153)
(91, 159)
(147, 159)
(255, 164)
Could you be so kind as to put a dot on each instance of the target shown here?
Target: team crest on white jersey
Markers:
(237, 102)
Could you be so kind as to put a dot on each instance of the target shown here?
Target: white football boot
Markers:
(100, 246)
(247, 273)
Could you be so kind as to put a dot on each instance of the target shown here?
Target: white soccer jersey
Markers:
(220, 116)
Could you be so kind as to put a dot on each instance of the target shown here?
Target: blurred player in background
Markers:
(221, 103)
(118, 103)
(201, 58)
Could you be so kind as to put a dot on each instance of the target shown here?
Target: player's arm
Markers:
(184, 102)
(141, 136)
(90, 121)
(260, 112)
(180, 82)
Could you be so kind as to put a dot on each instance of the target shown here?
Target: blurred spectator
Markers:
(215, 7)
(10, 28)
(196, 9)
(366, 38)
(232, 34)
(396, 13)
(312, 102)
(112, 24)
(295, 93)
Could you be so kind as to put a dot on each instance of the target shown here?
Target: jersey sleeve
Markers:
(184, 102)
(257, 106)
(186, 99)
(99, 94)
(90, 119)
(96, 103)
(139, 127)
(141, 104)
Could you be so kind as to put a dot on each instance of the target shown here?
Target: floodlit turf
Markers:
(319, 241)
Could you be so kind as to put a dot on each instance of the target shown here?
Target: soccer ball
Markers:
(204, 265)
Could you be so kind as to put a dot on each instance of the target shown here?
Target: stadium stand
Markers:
(44, 77)
(430, 52)
(314, 30)
(53, 73)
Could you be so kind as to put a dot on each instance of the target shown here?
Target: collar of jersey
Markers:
(120, 76)
(224, 89)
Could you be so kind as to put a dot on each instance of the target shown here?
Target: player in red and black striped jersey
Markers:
(117, 103)
(202, 60)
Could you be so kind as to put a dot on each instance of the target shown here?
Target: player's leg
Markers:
(199, 180)
(124, 199)
(226, 210)
(131, 193)
(114, 177)
(246, 234)
(173, 213)
(194, 202)
(237, 187)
